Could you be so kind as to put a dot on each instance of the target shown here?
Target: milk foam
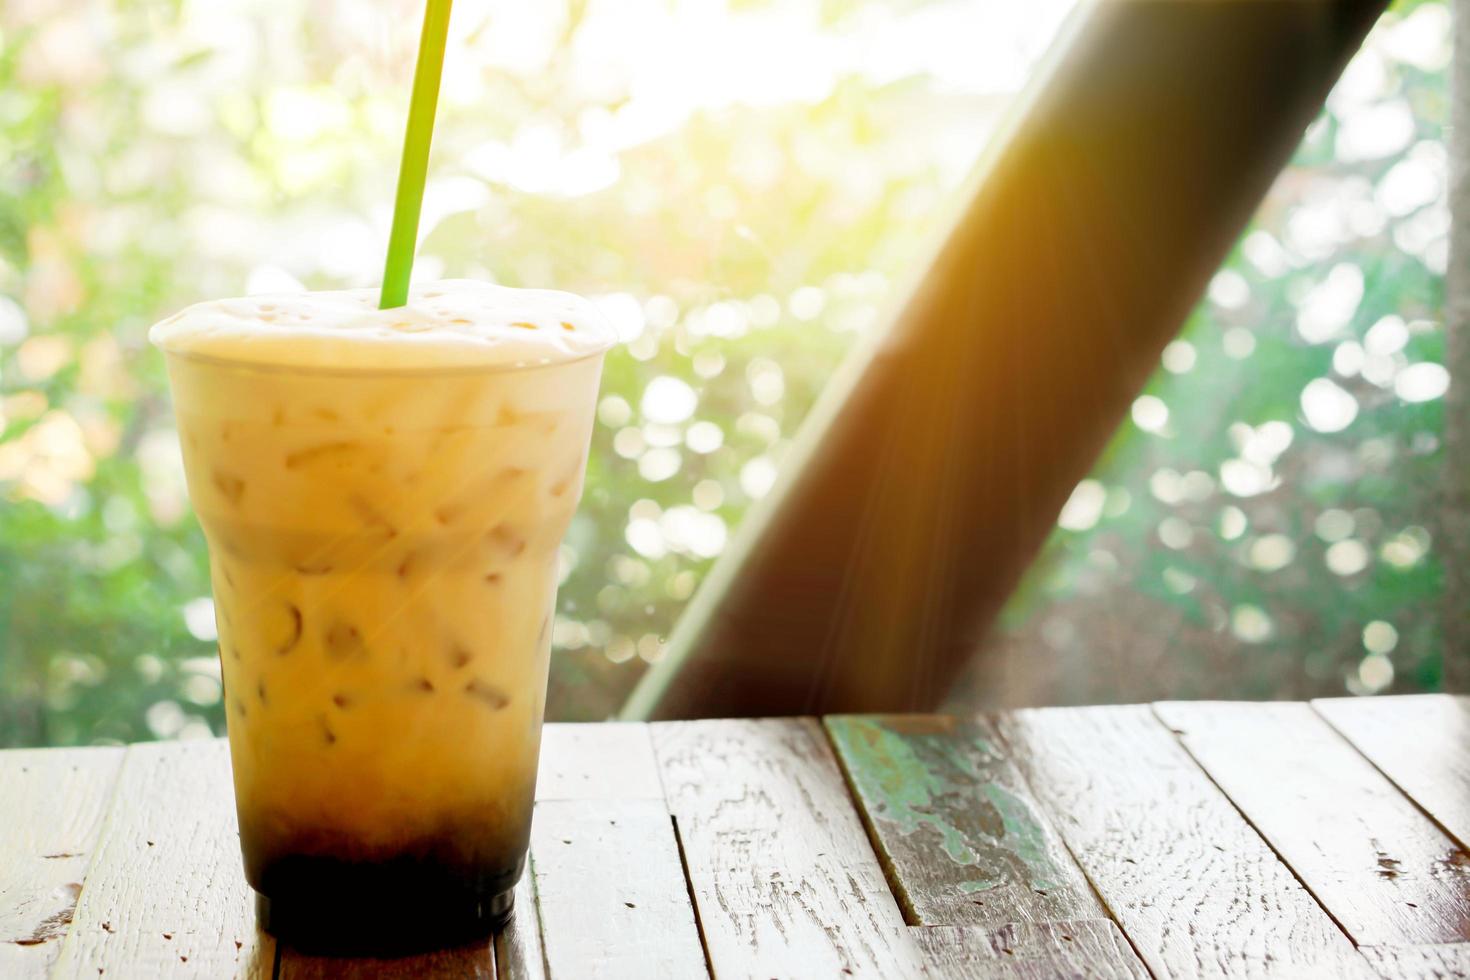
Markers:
(453, 323)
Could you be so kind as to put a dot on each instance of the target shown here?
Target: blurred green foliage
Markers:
(1265, 525)
(741, 227)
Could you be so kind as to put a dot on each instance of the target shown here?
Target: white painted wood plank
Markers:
(166, 894)
(1088, 949)
(1370, 857)
(1447, 961)
(1191, 884)
(610, 888)
(609, 761)
(53, 802)
(1420, 741)
(785, 881)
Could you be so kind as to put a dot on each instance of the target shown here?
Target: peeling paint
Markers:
(935, 786)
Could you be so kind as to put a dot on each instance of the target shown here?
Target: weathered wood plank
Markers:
(1382, 868)
(1093, 949)
(518, 954)
(165, 895)
(1193, 886)
(53, 802)
(1421, 742)
(1446, 962)
(610, 888)
(611, 761)
(587, 762)
(961, 839)
(784, 879)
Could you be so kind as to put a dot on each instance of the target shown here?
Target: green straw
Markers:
(403, 239)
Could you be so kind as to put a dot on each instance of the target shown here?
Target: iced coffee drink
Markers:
(384, 493)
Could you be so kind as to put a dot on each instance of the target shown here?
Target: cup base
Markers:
(414, 923)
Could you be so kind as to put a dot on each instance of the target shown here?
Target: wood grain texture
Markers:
(518, 954)
(784, 879)
(1450, 961)
(1194, 887)
(610, 888)
(1092, 949)
(960, 837)
(597, 762)
(1382, 868)
(1421, 742)
(165, 895)
(612, 761)
(53, 803)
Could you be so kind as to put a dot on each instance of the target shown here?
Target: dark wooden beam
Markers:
(932, 471)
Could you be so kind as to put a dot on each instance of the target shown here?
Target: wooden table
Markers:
(1178, 840)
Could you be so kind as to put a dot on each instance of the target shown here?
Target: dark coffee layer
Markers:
(392, 907)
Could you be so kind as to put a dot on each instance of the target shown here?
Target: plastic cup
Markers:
(383, 548)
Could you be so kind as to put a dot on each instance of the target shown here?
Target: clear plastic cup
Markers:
(383, 548)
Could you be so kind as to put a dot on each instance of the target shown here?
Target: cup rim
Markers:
(426, 370)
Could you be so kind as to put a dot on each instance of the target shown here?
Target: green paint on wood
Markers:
(1024, 834)
(901, 789)
(952, 821)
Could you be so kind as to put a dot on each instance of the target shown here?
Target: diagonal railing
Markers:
(932, 470)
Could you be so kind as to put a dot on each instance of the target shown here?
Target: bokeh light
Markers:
(1259, 524)
(1308, 387)
(741, 228)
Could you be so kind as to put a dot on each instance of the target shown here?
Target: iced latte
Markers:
(384, 493)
